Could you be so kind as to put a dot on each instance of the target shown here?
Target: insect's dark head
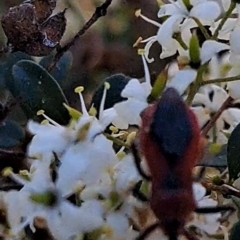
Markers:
(171, 125)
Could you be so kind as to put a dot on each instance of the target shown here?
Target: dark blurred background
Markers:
(106, 48)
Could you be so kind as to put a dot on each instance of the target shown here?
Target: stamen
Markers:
(44, 122)
(113, 129)
(121, 154)
(106, 87)
(41, 112)
(75, 114)
(138, 14)
(118, 135)
(138, 41)
(79, 90)
(92, 111)
(149, 44)
(131, 137)
(8, 172)
(146, 70)
(148, 39)
(160, 3)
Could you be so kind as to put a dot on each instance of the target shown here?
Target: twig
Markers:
(202, 28)
(196, 84)
(215, 117)
(224, 19)
(99, 12)
(221, 80)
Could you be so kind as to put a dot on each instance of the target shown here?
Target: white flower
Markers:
(204, 10)
(85, 163)
(202, 115)
(180, 21)
(182, 80)
(63, 218)
(210, 97)
(208, 222)
(136, 93)
(119, 224)
(125, 174)
(48, 138)
(210, 48)
(67, 220)
(225, 32)
(165, 36)
(234, 86)
(230, 117)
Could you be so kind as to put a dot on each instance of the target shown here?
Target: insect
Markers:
(171, 143)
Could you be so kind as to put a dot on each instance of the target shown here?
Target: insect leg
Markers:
(147, 231)
(138, 194)
(137, 161)
(215, 209)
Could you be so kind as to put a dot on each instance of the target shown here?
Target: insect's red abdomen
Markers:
(170, 142)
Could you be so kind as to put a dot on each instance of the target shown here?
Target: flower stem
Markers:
(202, 28)
(99, 12)
(221, 80)
(224, 19)
(215, 117)
(197, 84)
(178, 37)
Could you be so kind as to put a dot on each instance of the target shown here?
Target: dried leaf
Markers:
(53, 29)
(30, 29)
(19, 25)
(43, 9)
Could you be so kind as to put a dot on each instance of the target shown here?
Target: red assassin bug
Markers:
(171, 143)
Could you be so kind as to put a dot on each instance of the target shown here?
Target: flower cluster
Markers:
(78, 160)
(80, 185)
(206, 64)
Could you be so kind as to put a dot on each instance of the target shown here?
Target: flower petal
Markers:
(165, 34)
(208, 11)
(133, 89)
(211, 48)
(199, 191)
(130, 110)
(234, 40)
(182, 80)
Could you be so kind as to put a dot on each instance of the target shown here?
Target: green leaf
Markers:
(60, 71)
(6, 68)
(233, 154)
(117, 84)
(11, 134)
(39, 91)
(235, 232)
